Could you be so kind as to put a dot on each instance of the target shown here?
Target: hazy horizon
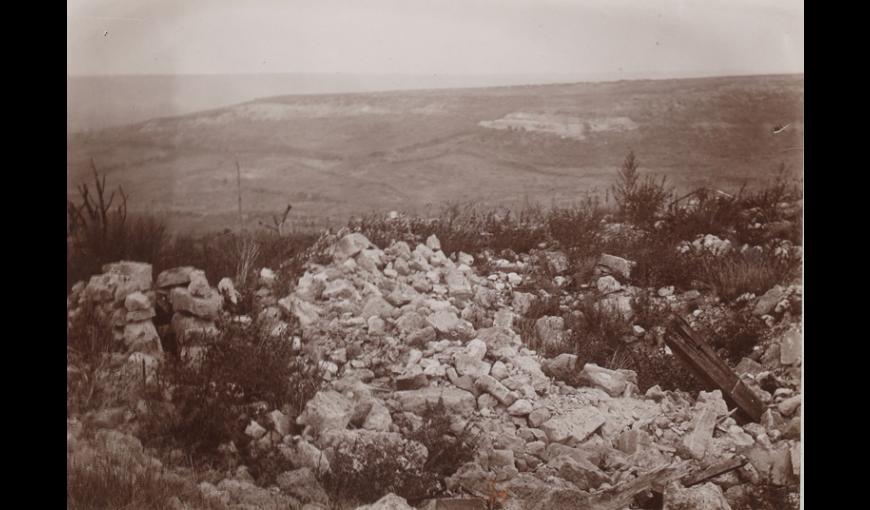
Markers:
(203, 54)
(722, 37)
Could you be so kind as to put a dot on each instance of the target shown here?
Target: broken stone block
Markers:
(302, 484)
(455, 400)
(348, 246)
(708, 496)
(580, 472)
(767, 302)
(280, 422)
(489, 384)
(444, 321)
(141, 337)
(608, 285)
(748, 366)
(422, 337)
(412, 382)
(788, 406)
(576, 425)
(611, 381)
(204, 307)
(521, 407)
(538, 416)
(790, 347)
(550, 331)
(174, 277)
(631, 440)
(713, 400)
(198, 285)
(698, 440)
(388, 502)
(562, 367)
(522, 301)
(228, 290)
(129, 277)
(137, 302)
(458, 285)
(328, 410)
(773, 462)
(498, 339)
(306, 313)
(378, 418)
(611, 264)
(190, 329)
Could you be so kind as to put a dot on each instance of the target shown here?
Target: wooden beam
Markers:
(622, 495)
(714, 470)
(711, 370)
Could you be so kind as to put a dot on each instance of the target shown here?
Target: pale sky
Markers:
(682, 37)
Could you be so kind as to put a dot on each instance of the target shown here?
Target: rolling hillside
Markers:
(332, 156)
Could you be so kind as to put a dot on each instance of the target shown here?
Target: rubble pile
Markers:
(403, 328)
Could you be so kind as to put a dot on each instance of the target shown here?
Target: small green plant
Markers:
(640, 200)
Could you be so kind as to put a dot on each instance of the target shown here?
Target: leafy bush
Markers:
(213, 392)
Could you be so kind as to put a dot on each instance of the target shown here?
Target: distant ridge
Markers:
(97, 102)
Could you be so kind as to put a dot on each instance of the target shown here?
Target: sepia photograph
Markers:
(435, 255)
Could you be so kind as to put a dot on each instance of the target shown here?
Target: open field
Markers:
(333, 156)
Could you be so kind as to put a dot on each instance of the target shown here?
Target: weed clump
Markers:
(112, 481)
(215, 387)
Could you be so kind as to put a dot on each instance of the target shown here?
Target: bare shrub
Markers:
(99, 231)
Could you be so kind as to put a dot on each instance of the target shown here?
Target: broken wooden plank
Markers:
(714, 470)
(621, 496)
(711, 370)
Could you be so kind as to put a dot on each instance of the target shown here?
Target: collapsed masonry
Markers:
(400, 328)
